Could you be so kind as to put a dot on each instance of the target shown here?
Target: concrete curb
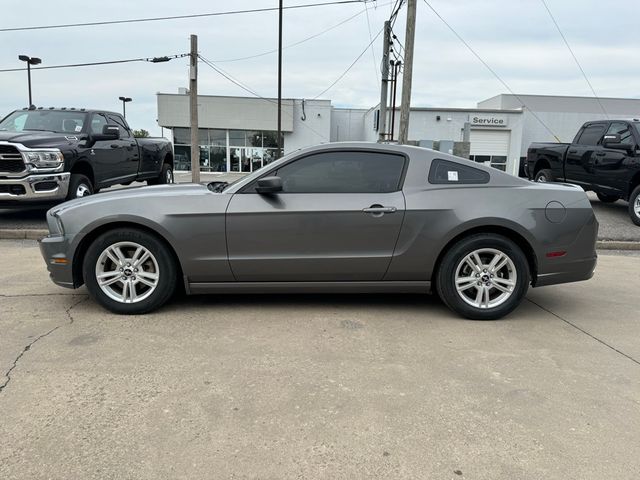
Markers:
(37, 234)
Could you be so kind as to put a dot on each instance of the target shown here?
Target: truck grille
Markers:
(10, 160)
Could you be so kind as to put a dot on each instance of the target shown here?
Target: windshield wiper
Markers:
(36, 130)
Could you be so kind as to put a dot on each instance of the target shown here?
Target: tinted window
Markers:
(98, 121)
(343, 172)
(122, 126)
(591, 135)
(624, 130)
(446, 172)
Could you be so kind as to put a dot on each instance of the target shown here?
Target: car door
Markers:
(337, 218)
(128, 149)
(612, 166)
(108, 157)
(580, 154)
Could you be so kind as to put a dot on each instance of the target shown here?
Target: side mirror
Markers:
(109, 132)
(613, 141)
(269, 185)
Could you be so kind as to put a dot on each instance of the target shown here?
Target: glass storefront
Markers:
(226, 150)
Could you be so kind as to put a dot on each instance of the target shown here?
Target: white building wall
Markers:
(314, 129)
(347, 124)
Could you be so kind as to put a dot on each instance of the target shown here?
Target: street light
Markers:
(124, 103)
(30, 61)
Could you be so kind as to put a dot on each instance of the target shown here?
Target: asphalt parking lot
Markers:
(322, 386)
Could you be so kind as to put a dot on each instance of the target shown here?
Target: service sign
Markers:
(489, 120)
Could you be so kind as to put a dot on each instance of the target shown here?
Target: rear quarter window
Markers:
(444, 172)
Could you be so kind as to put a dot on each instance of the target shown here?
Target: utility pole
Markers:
(30, 61)
(405, 106)
(382, 116)
(193, 110)
(124, 101)
(280, 146)
(394, 80)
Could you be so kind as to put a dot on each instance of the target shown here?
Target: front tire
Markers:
(79, 186)
(129, 271)
(483, 277)
(544, 176)
(634, 206)
(604, 198)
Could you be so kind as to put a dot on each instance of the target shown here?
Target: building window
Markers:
(226, 150)
(496, 161)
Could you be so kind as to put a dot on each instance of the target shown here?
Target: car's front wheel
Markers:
(634, 206)
(483, 277)
(129, 271)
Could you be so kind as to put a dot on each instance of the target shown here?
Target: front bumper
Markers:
(54, 250)
(35, 188)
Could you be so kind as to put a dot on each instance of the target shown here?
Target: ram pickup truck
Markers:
(604, 157)
(59, 154)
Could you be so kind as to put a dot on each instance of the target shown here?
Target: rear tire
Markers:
(634, 206)
(165, 177)
(79, 186)
(544, 176)
(604, 198)
(129, 271)
(483, 277)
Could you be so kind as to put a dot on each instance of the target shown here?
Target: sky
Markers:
(516, 38)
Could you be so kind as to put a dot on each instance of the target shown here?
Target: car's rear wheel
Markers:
(604, 198)
(483, 277)
(634, 206)
(165, 177)
(129, 271)
(544, 176)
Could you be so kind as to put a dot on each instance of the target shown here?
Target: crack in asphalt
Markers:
(67, 311)
(580, 329)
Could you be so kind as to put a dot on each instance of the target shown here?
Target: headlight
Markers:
(55, 223)
(44, 158)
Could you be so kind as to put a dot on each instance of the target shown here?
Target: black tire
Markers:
(165, 177)
(454, 257)
(167, 272)
(604, 198)
(544, 176)
(79, 184)
(634, 206)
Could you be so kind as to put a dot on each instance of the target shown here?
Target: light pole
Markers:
(30, 61)
(124, 105)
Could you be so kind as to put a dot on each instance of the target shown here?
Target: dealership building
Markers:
(239, 134)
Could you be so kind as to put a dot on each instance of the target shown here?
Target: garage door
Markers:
(490, 142)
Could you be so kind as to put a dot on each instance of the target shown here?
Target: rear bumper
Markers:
(575, 271)
(35, 188)
(54, 250)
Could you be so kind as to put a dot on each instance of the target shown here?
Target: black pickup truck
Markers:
(604, 157)
(59, 154)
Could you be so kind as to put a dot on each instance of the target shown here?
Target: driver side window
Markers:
(97, 123)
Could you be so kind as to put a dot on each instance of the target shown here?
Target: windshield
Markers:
(44, 120)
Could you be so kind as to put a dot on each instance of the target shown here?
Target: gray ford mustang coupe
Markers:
(341, 217)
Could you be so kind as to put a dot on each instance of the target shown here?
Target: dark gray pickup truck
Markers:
(59, 154)
(604, 157)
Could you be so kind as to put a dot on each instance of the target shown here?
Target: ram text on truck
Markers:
(60, 154)
(604, 157)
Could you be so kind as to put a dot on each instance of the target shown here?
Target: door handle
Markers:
(132, 144)
(379, 210)
(572, 151)
(600, 154)
(115, 145)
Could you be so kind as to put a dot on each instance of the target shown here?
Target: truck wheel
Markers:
(604, 198)
(165, 177)
(634, 206)
(483, 277)
(129, 271)
(544, 176)
(79, 186)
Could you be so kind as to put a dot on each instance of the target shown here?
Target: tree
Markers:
(142, 133)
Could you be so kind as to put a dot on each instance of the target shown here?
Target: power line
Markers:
(350, 66)
(268, 52)
(248, 89)
(178, 17)
(491, 70)
(373, 53)
(574, 57)
(110, 62)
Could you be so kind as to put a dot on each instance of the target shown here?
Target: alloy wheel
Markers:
(486, 278)
(127, 272)
(636, 206)
(82, 191)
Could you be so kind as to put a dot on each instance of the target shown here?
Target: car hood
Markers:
(162, 193)
(39, 139)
